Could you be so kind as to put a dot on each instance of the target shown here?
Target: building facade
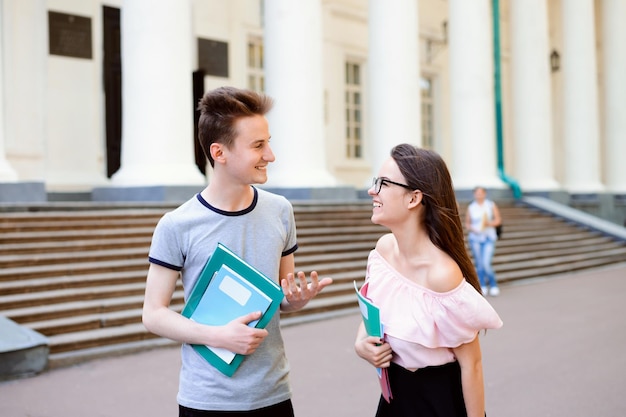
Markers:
(513, 92)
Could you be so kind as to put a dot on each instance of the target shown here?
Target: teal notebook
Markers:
(374, 327)
(228, 288)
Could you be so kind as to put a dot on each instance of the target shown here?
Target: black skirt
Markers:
(434, 391)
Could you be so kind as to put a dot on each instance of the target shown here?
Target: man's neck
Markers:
(228, 198)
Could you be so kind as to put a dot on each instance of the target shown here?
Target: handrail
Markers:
(517, 191)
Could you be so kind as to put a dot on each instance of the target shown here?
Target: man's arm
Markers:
(159, 319)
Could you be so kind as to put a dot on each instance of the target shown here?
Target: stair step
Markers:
(564, 254)
(557, 268)
(540, 242)
(74, 245)
(613, 255)
(64, 235)
(68, 295)
(98, 337)
(337, 231)
(43, 259)
(40, 313)
(68, 282)
(78, 276)
(334, 247)
(345, 237)
(91, 321)
(71, 269)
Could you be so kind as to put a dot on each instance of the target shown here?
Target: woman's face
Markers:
(389, 206)
(480, 194)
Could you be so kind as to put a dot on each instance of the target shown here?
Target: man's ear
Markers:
(217, 152)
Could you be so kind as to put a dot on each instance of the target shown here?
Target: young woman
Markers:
(422, 278)
(481, 220)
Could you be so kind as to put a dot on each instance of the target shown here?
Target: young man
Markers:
(259, 227)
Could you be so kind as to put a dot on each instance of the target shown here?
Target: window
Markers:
(426, 87)
(354, 111)
(256, 77)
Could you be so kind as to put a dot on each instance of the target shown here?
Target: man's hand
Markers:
(297, 296)
(240, 338)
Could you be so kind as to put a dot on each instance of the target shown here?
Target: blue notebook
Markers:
(229, 288)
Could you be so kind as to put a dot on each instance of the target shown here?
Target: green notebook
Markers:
(228, 288)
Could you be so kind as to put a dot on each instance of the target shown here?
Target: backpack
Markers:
(498, 228)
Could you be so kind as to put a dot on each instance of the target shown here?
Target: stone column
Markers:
(580, 102)
(157, 131)
(24, 74)
(472, 109)
(293, 78)
(394, 75)
(7, 174)
(531, 101)
(614, 67)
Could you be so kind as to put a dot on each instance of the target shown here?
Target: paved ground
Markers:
(560, 353)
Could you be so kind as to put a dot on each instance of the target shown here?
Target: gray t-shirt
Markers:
(183, 240)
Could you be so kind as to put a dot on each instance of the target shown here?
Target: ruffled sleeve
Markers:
(418, 315)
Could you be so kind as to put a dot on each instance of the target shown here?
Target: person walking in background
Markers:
(481, 219)
(257, 225)
(422, 279)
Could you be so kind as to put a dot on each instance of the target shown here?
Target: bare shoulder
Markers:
(385, 244)
(444, 274)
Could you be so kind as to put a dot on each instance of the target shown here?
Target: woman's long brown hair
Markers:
(426, 171)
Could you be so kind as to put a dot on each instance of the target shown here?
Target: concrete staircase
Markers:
(76, 274)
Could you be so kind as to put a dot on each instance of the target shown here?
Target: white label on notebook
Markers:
(235, 290)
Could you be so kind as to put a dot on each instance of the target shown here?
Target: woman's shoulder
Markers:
(385, 243)
(444, 274)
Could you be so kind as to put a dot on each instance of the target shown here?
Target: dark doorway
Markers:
(112, 73)
(198, 92)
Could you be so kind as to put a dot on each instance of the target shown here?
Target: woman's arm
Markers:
(470, 360)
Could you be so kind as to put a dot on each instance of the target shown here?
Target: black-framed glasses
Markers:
(377, 183)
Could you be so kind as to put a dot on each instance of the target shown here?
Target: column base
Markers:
(23, 351)
(22, 192)
(156, 193)
(315, 193)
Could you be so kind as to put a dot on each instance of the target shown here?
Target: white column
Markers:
(293, 78)
(472, 109)
(394, 75)
(25, 72)
(531, 98)
(7, 173)
(580, 101)
(614, 66)
(157, 121)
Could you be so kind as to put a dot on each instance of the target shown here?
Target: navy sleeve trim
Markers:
(290, 251)
(164, 264)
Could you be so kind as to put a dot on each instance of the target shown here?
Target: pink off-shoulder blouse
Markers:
(422, 326)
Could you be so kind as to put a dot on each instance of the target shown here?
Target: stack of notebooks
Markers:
(228, 288)
(374, 327)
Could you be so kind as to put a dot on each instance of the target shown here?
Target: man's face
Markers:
(250, 153)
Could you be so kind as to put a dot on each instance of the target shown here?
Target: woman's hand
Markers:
(374, 350)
